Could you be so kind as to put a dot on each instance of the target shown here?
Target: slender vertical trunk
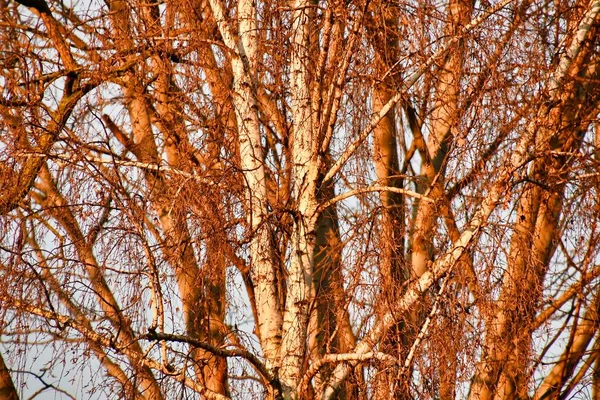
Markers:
(263, 271)
(304, 181)
(444, 116)
(210, 315)
(393, 269)
(330, 329)
(443, 121)
(203, 289)
(387, 167)
(105, 297)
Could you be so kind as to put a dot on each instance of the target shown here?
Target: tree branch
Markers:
(218, 351)
(405, 87)
(372, 189)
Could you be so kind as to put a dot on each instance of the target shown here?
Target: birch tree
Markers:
(299, 200)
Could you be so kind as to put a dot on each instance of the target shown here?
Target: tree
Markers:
(297, 200)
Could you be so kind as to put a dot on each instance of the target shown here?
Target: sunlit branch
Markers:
(571, 292)
(344, 358)
(372, 189)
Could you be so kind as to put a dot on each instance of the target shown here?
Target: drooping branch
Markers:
(65, 322)
(407, 84)
(218, 351)
(445, 263)
(17, 184)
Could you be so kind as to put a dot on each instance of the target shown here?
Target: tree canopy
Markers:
(299, 200)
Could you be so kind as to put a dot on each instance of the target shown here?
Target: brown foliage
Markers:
(309, 199)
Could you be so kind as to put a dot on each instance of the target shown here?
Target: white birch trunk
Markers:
(304, 175)
(251, 154)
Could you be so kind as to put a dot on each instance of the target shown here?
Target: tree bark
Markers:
(503, 370)
(7, 387)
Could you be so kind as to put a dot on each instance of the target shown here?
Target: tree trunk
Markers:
(7, 387)
(502, 373)
(393, 268)
(330, 328)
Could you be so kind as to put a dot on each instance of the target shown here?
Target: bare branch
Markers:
(372, 189)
